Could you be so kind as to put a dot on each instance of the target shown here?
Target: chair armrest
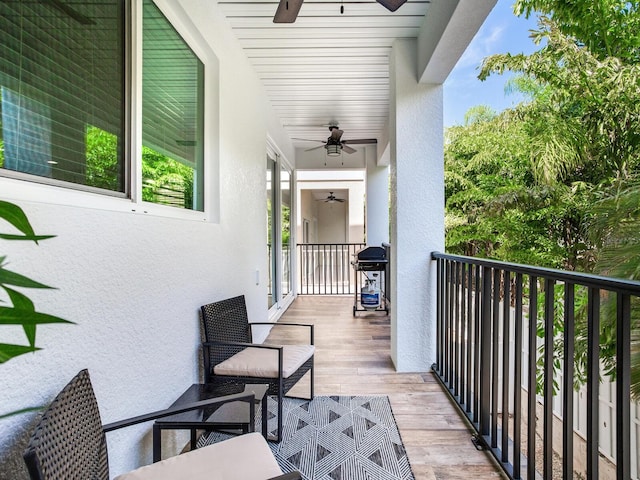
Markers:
(289, 325)
(236, 397)
(288, 476)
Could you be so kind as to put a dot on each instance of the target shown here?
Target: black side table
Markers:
(230, 416)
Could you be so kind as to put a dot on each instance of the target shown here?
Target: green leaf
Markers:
(8, 277)
(35, 238)
(21, 411)
(16, 217)
(7, 351)
(16, 316)
(23, 302)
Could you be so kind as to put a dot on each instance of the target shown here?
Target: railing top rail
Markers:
(631, 287)
(313, 244)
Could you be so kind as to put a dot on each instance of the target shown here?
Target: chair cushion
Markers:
(263, 362)
(246, 457)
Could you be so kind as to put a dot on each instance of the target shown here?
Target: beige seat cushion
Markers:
(246, 457)
(263, 362)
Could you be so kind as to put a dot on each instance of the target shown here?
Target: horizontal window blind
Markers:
(62, 81)
(172, 115)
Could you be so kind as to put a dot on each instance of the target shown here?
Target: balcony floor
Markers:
(353, 358)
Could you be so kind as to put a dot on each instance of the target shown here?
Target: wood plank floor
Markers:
(353, 357)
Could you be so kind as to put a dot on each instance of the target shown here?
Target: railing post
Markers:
(517, 379)
(469, 336)
(549, 314)
(567, 384)
(485, 354)
(464, 339)
(477, 346)
(447, 323)
(495, 358)
(455, 365)
(593, 383)
(623, 386)
(531, 378)
(439, 319)
(506, 361)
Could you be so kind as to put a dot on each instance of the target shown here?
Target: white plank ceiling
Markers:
(327, 67)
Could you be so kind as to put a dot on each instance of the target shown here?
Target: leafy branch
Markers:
(22, 311)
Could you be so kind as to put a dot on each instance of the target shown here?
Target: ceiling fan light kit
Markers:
(333, 150)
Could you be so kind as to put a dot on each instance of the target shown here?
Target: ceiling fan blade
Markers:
(391, 5)
(287, 11)
(314, 148)
(362, 141)
(309, 140)
(336, 133)
(348, 149)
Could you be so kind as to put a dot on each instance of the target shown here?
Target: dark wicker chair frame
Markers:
(69, 441)
(227, 331)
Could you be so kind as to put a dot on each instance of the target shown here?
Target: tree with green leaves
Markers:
(583, 124)
(496, 207)
(608, 28)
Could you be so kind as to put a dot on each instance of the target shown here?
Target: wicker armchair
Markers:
(230, 354)
(69, 443)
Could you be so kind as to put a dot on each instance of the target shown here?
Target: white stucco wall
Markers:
(332, 222)
(308, 210)
(417, 206)
(133, 282)
(377, 200)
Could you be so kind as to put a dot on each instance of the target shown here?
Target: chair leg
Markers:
(280, 402)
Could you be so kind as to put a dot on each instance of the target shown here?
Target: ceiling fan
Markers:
(334, 144)
(331, 198)
(287, 11)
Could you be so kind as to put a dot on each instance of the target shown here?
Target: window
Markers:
(172, 116)
(64, 106)
(62, 93)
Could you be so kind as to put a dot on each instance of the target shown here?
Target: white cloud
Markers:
(485, 43)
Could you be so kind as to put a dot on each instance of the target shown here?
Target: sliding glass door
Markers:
(285, 229)
(279, 233)
(272, 293)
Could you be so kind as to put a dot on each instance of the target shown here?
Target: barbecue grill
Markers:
(370, 264)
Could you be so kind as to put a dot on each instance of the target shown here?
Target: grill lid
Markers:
(371, 253)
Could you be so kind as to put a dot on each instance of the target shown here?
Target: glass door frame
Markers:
(275, 261)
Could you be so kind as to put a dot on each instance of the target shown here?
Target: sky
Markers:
(501, 32)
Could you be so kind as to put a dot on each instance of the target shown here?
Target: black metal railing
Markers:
(511, 342)
(325, 268)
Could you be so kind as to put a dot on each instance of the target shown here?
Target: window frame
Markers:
(20, 186)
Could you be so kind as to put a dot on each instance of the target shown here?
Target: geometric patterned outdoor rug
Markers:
(337, 437)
